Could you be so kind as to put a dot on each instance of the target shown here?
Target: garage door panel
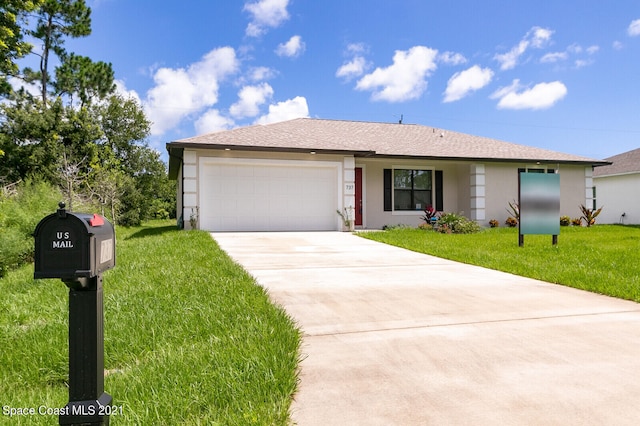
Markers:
(259, 197)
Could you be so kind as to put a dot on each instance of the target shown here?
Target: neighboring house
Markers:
(295, 175)
(618, 189)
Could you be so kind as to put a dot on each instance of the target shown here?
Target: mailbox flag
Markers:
(97, 220)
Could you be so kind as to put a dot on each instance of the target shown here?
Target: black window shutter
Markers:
(387, 190)
(439, 200)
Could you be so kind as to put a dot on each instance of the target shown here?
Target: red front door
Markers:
(359, 206)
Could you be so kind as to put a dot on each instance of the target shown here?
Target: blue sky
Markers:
(562, 75)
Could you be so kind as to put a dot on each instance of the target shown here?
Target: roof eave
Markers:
(230, 147)
(594, 163)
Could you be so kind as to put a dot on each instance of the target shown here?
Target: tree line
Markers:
(63, 123)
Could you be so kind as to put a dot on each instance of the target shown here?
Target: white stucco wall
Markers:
(617, 195)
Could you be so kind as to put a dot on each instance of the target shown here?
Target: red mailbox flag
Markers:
(97, 220)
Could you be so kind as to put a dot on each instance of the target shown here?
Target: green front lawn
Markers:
(190, 338)
(603, 259)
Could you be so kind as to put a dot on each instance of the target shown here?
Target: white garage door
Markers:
(254, 196)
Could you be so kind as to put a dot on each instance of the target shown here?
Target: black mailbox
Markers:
(73, 246)
(78, 248)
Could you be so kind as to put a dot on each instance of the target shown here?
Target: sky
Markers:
(561, 75)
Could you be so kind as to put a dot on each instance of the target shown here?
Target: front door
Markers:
(359, 206)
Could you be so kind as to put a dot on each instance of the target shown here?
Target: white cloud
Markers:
(617, 45)
(467, 81)
(31, 88)
(358, 65)
(540, 96)
(286, 110)
(580, 63)
(250, 99)
(591, 50)
(554, 57)
(261, 73)
(212, 121)
(356, 48)
(510, 59)
(180, 92)
(634, 28)
(266, 14)
(292, 48)
(352, 69)
(121, 89)
(573, 49)
(452, 58)
(405, 79)
(539, 36)
(536, 38)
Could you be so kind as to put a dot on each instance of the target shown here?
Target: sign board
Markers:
(539, 202)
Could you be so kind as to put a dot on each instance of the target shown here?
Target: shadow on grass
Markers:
(150, 232)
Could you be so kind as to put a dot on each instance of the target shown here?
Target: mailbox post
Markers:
(78, 248)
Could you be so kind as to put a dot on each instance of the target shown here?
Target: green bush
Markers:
(457, 224)
(565, 221)
(466, 227)
(19, 215)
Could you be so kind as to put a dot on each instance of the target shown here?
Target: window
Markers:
(411, 189)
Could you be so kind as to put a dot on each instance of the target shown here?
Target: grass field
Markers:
(603, 259)
(189, 338)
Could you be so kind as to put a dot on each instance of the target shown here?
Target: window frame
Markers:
(412, 190)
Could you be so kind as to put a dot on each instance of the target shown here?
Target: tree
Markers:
(80, 75)
(12, 44)
(77, 134)
(57, 19)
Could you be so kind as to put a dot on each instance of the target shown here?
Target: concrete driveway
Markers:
(393, 337)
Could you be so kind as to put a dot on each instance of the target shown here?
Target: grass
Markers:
(603, 259)
(189, 337)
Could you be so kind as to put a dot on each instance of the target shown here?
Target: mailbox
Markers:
(73, 246)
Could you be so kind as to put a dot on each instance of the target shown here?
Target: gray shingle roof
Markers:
(379, 139)
(627, 162)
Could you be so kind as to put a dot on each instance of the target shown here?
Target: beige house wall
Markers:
(502, 187)
(478, 190)
(373, 187)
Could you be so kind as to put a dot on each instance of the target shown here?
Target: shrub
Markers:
(391, 227)
(20, 212)
(576, 221)
(429, 214)
(565, 220)
(589, 215)
(425, 227)
(514, 212)
(467, 227)
(494, 223)
(15, 249)
(454, 223)
(511, 222)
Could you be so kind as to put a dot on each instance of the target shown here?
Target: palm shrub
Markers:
(589, 215)
(514, 211)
